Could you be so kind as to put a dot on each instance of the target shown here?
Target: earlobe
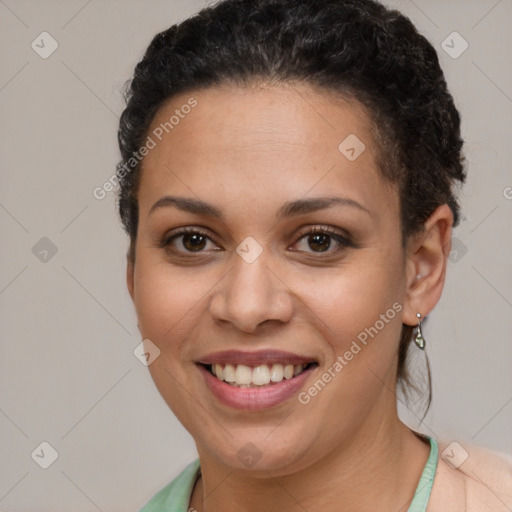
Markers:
(427, 257)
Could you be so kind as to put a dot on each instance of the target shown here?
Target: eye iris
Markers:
(320, 241)
(193, 241)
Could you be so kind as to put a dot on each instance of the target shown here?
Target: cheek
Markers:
(350, 300)
(159, 299)
(170, 301)
(167, 302)
(357, 310)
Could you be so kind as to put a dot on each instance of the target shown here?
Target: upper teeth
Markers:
(245, 376)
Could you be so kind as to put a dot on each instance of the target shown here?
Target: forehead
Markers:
(243, 117)
(279, 140)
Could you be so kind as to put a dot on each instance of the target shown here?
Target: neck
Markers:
(377, 469)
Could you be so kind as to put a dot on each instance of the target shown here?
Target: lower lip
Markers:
(257, 398)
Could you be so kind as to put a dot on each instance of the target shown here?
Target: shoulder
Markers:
(471, 479)
(175, 496)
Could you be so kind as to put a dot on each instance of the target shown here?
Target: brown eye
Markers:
(193, 242)
(187, 241)
(319, 242)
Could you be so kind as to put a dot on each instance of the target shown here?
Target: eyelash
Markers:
(343, 241)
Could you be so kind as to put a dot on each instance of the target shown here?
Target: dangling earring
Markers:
(418, 338)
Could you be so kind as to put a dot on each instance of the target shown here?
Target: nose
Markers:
(250, 295)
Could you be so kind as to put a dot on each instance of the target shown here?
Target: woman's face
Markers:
(255, 171)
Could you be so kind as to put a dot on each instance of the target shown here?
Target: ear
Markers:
(130, 269)
(427, 257)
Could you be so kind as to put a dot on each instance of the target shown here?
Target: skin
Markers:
(247, 151)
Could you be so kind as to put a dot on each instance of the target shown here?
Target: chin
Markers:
(259, 455)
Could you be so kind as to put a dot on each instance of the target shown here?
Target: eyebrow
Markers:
(289, 209)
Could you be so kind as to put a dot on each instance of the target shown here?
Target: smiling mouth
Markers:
(243, 376)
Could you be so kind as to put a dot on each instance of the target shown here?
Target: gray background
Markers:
(68, 373)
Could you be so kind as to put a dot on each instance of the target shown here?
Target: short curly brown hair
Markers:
(357, 48)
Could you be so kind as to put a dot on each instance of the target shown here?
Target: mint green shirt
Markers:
(175, 497)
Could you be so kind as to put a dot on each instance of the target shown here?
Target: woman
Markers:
(288, 185)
